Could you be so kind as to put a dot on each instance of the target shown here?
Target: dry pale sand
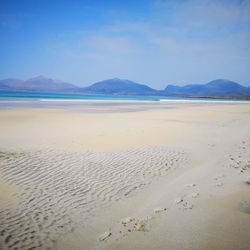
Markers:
(153, 177)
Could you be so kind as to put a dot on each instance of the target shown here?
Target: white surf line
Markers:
(126, 101)
(95, 100)
(206, 101)
(76, 100)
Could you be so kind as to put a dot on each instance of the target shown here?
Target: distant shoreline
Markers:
(14, 96)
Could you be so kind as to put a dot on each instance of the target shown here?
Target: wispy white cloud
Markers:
(197, 38)
(213, 14)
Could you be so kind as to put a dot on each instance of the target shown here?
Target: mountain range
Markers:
(116, 86)
(39, 83)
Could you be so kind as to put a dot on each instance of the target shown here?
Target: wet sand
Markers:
(125, 177)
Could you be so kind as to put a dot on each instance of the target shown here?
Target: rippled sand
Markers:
(56, 188)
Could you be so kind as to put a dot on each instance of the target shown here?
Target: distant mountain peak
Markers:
(112, 80)
(221, 81)
(218, 87)
(118, 86)
(38, 83)
(116, 79)
(41, 78)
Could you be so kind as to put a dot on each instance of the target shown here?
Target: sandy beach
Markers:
(131, 176)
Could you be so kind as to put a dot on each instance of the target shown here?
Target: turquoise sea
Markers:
(29, 97)
(32, 96)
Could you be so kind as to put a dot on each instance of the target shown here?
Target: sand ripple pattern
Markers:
(55, 188)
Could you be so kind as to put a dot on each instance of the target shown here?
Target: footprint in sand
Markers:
(218, 177)
(187, 205)
(104, 236)
(159, 210)
(141, 225)
(127, 220)
(244, 206)
(248, 181)
(178, 200)
(132, 225)
(195, 195)
(219, 184)
(191, 185)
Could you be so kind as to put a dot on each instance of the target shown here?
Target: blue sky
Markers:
(156, 42)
